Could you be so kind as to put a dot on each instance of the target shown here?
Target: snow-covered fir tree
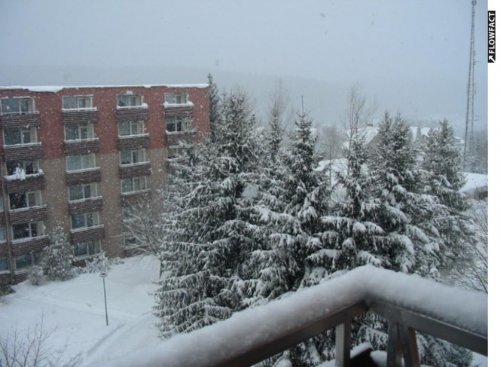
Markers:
(57, 258)
(214, 106)
(208, 234)
(458, 236)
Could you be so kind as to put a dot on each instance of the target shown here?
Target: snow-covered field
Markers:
(74, 311)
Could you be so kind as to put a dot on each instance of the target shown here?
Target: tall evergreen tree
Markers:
(208, 234)
(57, 258)
(214, 106)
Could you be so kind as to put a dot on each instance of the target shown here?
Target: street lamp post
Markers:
(103, 276)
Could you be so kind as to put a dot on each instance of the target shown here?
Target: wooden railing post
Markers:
(394, 348)
(410, 348)
(343, 344)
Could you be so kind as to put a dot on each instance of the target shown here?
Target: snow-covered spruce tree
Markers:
(57, 258)
(293, 210)
(214, 101)
(411, 243)
(208, 235)
(442, 163)
(404, 210)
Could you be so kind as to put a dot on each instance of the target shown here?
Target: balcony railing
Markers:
(409, 303)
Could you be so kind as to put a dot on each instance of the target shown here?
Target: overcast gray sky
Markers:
(408, 54)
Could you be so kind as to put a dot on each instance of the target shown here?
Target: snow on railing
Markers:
(255, 334)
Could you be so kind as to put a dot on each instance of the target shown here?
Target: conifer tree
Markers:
(58, 257)
(208, 233)
(214, 105)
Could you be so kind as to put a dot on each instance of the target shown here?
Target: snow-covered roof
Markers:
(249, 329)
(56, 89)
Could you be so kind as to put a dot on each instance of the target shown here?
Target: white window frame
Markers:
(130, 96)
(137, 156)
(19, 111)
(33, 199)
(80, 127)
(182, 122)
(93, 218)
(23, 164)
(40, 228)
(81, 159)
(139, 124)
(177, 99)
(31, 130)
(139, 183)
(79, 98)
(93, 188)
(87, 254)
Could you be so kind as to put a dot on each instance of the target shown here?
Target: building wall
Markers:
(50, 120)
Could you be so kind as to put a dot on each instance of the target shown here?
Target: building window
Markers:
(25, 200)
(83, 191)
(1, 203)
(20, 135)
(17, 105)
(132, 156)
(4, 264)
(79, 132)
(177, 124)
(174, 152)
(176, 98)
(27, 230)
(2, 234)
(84, 220)
(127, 128)
(78, 102)
(129, 100)
(79, 162)
(23, 261)
(87, 248)
(29, 167)
(132, 184)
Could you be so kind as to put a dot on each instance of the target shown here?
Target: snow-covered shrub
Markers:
(36, 275)
(98, 264)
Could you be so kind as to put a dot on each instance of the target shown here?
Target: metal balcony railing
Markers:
(409, 303)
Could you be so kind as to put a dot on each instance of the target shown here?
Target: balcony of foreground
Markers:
(409, 303)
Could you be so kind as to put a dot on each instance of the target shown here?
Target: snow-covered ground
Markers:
(474, 181)
(74, 310)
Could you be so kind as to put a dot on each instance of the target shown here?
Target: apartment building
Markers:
(79, 156)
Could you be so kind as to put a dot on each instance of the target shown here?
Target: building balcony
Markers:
(178, 109)
(133, 141)
(134, 170)
(408, 303)
(76, 147)
(174, 138)
(26, 215)
(31, 244)
(31, 182)
(87, 234)
(132, 113)
(135, 197)
(20, 120)
(23, 152)
(83, 176)
(81, 116)
(85, 205)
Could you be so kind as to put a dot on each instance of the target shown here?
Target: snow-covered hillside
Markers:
(74, 311)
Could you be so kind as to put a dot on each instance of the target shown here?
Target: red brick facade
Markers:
(50, 151)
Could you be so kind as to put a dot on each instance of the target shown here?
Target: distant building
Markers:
(78, 156)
